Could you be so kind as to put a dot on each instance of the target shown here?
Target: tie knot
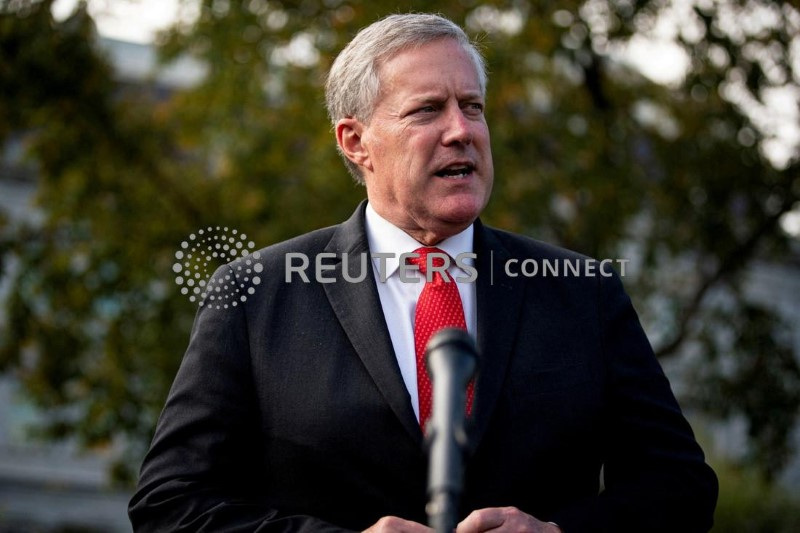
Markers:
(437, 260)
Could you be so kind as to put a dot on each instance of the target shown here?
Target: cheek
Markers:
(392, 155)
(482, 135)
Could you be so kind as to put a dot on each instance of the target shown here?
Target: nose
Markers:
(457, 127)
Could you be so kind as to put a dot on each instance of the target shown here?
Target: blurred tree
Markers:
(588, 154)
(90, 321)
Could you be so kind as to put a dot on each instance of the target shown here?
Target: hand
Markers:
(500, 519)
(392, 524)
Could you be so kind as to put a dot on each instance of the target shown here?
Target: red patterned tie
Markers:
(439, 306)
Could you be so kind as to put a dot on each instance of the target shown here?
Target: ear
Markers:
(349, 132)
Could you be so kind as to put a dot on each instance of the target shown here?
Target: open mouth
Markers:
(456, 171)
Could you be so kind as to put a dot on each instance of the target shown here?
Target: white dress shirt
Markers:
(399, 299)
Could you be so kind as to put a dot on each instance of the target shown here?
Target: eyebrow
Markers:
(432, 97)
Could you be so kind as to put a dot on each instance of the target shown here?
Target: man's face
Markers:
(428, 165)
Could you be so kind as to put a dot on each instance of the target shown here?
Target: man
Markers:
(302, 409)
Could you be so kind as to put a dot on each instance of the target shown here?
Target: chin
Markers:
(464, 215)
(462, 209)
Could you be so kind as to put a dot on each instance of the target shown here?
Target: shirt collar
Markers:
(385, 237)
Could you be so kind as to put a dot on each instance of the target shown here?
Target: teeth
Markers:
(456, 172)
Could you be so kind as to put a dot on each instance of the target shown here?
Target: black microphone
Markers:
(452, 360)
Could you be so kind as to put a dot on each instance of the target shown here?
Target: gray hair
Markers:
(353, 84)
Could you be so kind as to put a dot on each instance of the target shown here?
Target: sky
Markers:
(135, 21)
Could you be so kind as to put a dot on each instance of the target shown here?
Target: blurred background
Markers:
(665, 132)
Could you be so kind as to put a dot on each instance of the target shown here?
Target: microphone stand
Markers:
(452, 360)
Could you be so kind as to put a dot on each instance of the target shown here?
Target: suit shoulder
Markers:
(309, 243)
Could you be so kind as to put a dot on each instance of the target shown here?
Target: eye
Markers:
(473, 108)
(426, 109)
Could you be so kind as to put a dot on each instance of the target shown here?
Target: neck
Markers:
(431, 235)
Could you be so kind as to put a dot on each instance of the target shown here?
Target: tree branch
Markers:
(736, 259)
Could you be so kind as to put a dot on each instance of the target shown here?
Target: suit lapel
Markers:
(358, 308)
(499, 300)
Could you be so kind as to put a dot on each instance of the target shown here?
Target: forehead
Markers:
(442, 62)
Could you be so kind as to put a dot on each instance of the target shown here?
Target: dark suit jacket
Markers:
(289, 412)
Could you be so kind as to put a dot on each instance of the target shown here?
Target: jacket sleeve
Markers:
(655, 475)
(202, 470)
